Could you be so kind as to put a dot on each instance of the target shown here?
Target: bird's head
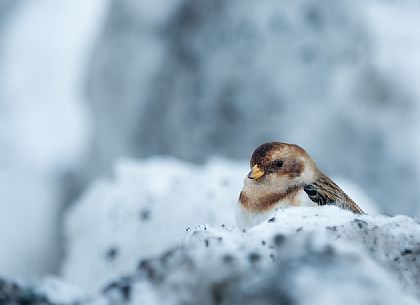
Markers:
(280, 166)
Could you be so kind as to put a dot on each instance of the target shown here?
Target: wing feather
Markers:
(324, 191)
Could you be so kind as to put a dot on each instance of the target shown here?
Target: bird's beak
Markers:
(255, 173)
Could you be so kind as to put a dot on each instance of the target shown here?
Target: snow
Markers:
(49, 118)
(315, 249)
(28, 228)
(159, 197)
(308, 240)
(305, 256)
(111, 227)
(60, 292)
(221, 77)
(44, 128)
(161, 231)
(391, 241)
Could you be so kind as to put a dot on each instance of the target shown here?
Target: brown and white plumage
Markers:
(324, 191)
(285, 175)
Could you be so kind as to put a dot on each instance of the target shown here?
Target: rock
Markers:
(14, 294)
(48, 291)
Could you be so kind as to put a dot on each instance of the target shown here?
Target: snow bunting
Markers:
(284, 175)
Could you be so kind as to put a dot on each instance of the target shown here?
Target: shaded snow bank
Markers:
(302, 256)
(161, 232)
(143, 210)
(393, 242)
(146, 208)
(273, 264)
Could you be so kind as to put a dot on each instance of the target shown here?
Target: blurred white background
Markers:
(84, 83)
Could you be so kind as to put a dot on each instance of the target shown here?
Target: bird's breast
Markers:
(262, 202)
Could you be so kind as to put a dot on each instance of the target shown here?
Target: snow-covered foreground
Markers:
(302, 256)
(161, 232)
(146, 208)
(304, 60)
(134, 234)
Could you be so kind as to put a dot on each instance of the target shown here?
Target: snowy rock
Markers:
(49, 291)
(145, 209)
(222, 77)
(12, 293)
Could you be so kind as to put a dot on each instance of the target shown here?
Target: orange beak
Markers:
(255, 173)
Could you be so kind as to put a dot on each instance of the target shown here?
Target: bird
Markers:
(284, 175)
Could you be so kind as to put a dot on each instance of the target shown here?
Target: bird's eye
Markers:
(278, 163)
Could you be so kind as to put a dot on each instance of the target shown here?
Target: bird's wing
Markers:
(324, 191)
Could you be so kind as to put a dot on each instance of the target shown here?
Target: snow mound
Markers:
(300, 256)
(143, 210)
(393, 242)
(332, 259)
(146, 208)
